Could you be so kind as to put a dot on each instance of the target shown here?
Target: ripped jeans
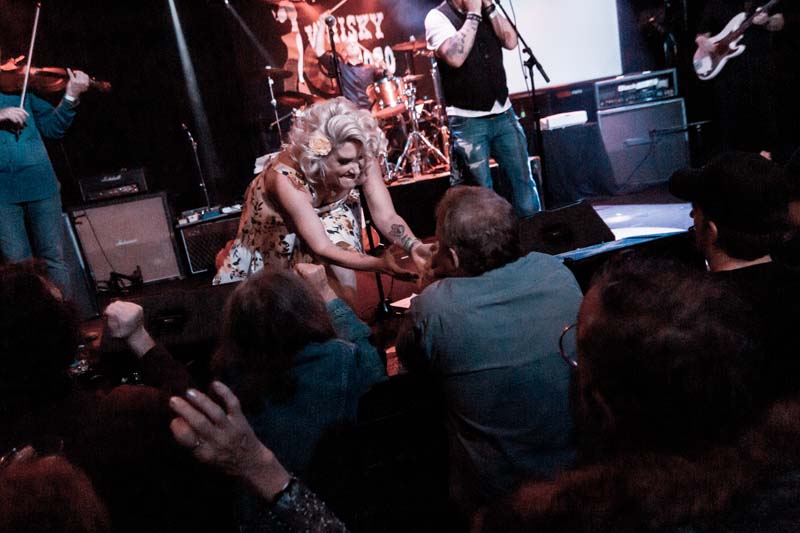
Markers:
(500, 136)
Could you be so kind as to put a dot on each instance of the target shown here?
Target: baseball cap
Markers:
(739, 189)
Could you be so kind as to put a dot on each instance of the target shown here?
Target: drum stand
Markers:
(418, 148)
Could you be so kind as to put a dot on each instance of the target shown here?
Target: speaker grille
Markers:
(122, 235)
(203, 241)
(645, 143)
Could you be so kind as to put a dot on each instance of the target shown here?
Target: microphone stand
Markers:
(331, 21)
(537, 127)
(384, 310)
(198, 166)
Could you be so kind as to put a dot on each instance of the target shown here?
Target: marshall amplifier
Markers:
(107, 186)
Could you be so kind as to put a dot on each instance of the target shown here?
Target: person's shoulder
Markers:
(435, 18)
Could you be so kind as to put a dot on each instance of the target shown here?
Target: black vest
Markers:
(481, 80)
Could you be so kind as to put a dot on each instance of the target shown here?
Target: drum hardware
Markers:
(273, 74)
(409, 46)
(296, 99)
(418, 149)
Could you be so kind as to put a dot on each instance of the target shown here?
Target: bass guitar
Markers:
(727, 44)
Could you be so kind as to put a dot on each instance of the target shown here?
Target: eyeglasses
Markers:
(571, 360)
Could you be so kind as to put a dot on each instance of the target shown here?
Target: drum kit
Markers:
(418, 125)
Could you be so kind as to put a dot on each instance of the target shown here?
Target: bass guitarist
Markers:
(743, 93)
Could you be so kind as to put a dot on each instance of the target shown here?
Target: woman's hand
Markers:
(391, 265)
(317, 277)
(223, 438)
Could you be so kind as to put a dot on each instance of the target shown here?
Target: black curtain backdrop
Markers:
(132, 45)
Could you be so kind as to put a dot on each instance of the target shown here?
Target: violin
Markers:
(43, 80)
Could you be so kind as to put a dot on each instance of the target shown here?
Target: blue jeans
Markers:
(501, 137)
(29, 229)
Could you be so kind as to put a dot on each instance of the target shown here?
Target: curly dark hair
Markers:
(39, 334)
(480, 226)
(268, 319)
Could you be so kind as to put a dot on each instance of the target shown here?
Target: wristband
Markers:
(475, 16)
(285, 490)
(408, 243)
(487, 12)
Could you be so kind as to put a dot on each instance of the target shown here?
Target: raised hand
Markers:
(223, 438)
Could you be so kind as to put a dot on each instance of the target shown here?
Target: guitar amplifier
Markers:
(636, 89)
(204, 239)
(107, 186)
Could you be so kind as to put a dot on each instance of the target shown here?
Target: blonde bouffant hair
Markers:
(339, 121)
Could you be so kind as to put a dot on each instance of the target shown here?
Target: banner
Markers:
(288, 31)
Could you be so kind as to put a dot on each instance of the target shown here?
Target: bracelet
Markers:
(408, 243)
(281, 493)
(475, 16)
(487, 12)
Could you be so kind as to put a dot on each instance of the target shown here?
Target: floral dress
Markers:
(265, 240)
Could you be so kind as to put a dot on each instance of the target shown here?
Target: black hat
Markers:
(741, 190)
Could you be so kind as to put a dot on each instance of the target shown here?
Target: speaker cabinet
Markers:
(564, 229)
(125, 235)
(646, 143)
(83, 295)
(203, 240)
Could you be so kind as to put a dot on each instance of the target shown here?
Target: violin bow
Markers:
(30, 56)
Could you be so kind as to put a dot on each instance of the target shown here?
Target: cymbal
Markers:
(296, 99)
(409, 46)
(413, 77)
(277, 73)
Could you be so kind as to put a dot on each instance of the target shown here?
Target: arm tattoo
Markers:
(397, 232)
(399, 235)
(456, 46)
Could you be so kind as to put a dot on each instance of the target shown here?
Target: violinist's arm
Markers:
(52, 122)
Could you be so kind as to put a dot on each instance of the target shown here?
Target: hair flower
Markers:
(320, 144)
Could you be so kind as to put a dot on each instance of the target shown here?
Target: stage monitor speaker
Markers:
(124, 235)
(646, 143)
(83, 295)
(203, 240)
(564, 229)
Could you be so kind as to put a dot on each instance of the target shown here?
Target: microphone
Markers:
(330, 20)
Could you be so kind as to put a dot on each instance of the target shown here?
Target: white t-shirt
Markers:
(438, 29)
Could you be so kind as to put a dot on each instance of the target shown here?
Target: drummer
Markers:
(356, 76)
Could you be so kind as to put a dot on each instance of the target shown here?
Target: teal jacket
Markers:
(26, 173)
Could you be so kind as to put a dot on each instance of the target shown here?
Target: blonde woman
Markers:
(305, 206)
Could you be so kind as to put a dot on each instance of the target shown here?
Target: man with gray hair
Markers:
(488, 332)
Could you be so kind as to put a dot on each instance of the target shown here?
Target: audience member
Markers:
(119, 437)
(671, 438)
(299, 357)
(223, 438)
(48, 495)
(740, 207)
(487, 331)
